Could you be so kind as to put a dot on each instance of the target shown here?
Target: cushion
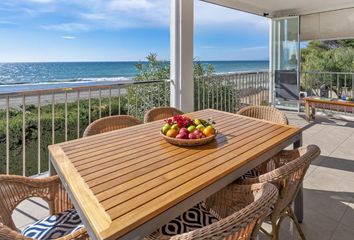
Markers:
(251, 174)
(196, 217)
(54, 226)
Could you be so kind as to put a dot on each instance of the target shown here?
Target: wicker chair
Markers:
(112, 123)
(289, 168)
(161, 113)
(15, 189)
(240, 211)
(266, 113)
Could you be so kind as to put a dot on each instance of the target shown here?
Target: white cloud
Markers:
(68, 37)
(39, 1)
(117, 14)
(67, 27)
(254, 48)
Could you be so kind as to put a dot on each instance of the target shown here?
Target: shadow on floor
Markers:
(323, 213)
(335, 163)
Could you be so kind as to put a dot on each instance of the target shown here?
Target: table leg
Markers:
(299, 203)
(307, 110)
(313, 111)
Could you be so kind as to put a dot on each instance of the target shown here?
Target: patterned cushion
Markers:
(196, 217)
(251, 174)
(54, 226)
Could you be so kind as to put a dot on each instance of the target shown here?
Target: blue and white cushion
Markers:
(54, 226)
(196, 217)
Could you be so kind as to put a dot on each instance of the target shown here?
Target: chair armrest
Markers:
(7, 233)
(15, 189)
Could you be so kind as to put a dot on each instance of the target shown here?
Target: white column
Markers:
(182, 37)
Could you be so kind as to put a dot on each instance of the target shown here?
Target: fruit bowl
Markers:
(183, 131)
(189, 142)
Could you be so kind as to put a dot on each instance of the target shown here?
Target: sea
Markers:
(32, 76)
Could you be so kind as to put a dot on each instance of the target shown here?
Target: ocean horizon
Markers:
(44, 75)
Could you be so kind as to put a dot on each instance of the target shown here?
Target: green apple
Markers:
(175, 127)
(197, 121)
(191, 128)
(165, 128)
(201, 127)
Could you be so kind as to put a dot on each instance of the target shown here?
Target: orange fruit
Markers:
(171, 133)
(208, 131)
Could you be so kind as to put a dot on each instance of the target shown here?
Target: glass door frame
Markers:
(272, 62)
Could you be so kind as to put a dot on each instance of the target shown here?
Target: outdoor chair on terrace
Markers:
(266, 113)
(111, 123)
(286, 170)
(64, 222)
(161, 113)
(233, 213)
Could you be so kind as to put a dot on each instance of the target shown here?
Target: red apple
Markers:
(184, 130)
(192, 136)
(180, 136)
(184, 135)
(198, 133)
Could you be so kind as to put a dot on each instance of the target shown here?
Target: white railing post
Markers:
(182, 37)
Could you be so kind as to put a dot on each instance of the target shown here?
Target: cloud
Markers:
(85, 15)
(39, 1)
(67, 27)
(254, 48)
(68, 37)
(4, 22)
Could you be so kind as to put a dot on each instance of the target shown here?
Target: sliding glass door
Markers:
(285, 58)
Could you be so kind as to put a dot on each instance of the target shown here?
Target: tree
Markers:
(144, 97)
(327, 56)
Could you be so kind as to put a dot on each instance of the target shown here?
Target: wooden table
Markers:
(127, 183)
(312, 102)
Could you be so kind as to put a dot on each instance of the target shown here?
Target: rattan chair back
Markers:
(111, 123)
(242, 208)
(266, 113)
(161, 113)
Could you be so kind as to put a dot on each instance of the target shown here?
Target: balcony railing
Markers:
(230, 92)
(32, 120)
(337, 84)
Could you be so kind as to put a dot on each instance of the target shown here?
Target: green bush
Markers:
(31, 131)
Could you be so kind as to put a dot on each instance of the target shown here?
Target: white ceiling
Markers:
(281, 8)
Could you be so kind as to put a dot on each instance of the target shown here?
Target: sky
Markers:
(122, 30)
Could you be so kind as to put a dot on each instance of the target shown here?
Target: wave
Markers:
(69, 81)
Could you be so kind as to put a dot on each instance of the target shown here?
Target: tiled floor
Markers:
(328, 186)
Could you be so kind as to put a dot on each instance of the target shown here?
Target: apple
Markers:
(192, 136)
(184, 130)
(191, 128)
(165, 128)
(184, 135)
(172, 133)
(198, 133)
(197, 121)
(180, 136)
(175, 127)
(201, 127)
